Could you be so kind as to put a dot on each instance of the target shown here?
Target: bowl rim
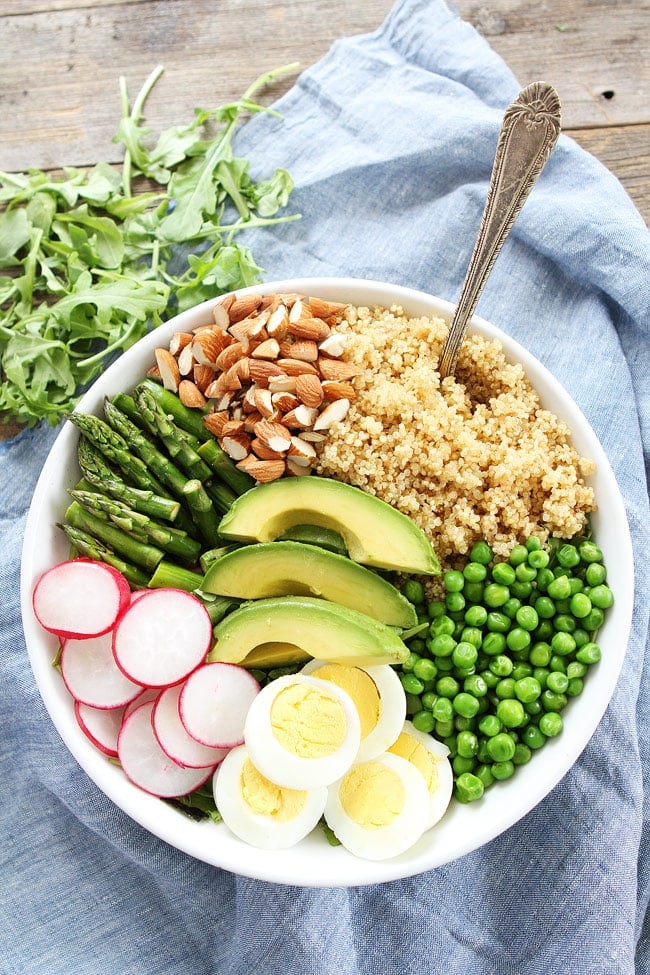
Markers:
(313, 862)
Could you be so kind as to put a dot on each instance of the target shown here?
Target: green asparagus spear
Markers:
(92, 548)
(186, 418)
(142, 554)
(203, 512)
(149, 454)
(220, 494)
(115, 448)
(167, 575)
(175, 441)
(140, 526)
(101, 477)
(224, 468)
(210, 556)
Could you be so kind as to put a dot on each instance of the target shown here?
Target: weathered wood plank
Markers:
(625, 151)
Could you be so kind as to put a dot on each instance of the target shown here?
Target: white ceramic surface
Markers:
(314, 862)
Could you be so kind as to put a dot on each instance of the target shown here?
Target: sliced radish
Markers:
(146, 765)
(174, 739)
(100, 726)
(162, 637)
(214, 702)
(148, 694)
(80, 598)
(91, 675)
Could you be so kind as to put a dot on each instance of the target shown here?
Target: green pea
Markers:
(525, 572)
(475, 571)
(518, 639)
(533, 708)
(521, 669)
(468, 787)
(498, 622)
(493, 644)
(476, 616)
(475, 685)
(463, 724)
(424, 721)
(501, 747)
(544, 577)
(557, 682)
(473, 592)
(510, 713)
(489, 725)
(503, 574)
(574, 687)
(473, 635)
(576, 669)
(601, 596)
(443, 729)
(441, 645)
(413, 704)
(481, 552)
(490, 679)
(464, 655)
(568, 556)
(594, 620)
(577, 585)
(505, 688)
(425, 669)
(521, 590)
(552, 701)
(563, 644)
(559, 588)
(544, 607)
(495, 595)
(442, 625)
(442, 710)
(527, 689)
(580, 605)
(444, 664)
(522, 754)
(410, 662)
(435, 609)
(465, 705)
(447, 687)
(533, 544)
(411, 684)
(558, 663)
(581, 637)
(501, 665)
(588, 654)
(511, 606)
(595, 574)
(467, 744)
(453, 580)
(541, 674)
(532, 737)
(550, 724)
(540, 654)
(564, 623)
(527, 618)
(503, 770)
(545, 630)
(484, 773)
(518, 555)
(463, 765)
(455, 602)
(589, 552)
(414, 591)
(428, 699)
(538, 558)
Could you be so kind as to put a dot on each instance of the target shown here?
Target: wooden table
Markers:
(60, 61)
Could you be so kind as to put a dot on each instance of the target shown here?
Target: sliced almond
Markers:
(231, 379)
(309, 389)
(232, 428)
(169, 372)
(296, 309)
(215, 422)
(278, 321)
(311, 436)
(273, 434)
(263, 471)
(302, 417)
(269, 349)
(282, 383)
(296, 367)
(248, 329)
(336, 369)
(243, 307)
(333, 345)
(178, 341)
(332, 389)
(209, 344)
(202, 376)
(186, 361)
(263, 400)
(190, 394)
(263, 451)
(250, 419)
(309, 328)
(333, 413)
(284, 401)
(154, 372)
(229, 355)
(304, 349)
(237, 446)
(320, 308)
(220, 314)
(242, 369)
(295, 469)
(301, 451)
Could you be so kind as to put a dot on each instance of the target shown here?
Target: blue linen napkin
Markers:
(390, 139)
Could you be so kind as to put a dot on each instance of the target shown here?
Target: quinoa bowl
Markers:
(560, 430)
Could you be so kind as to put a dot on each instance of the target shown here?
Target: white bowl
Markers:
(313, 862)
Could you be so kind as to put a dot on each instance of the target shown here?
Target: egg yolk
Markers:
(372, 795)
(268, 799)
(414, 752)
(308, 722)
(361, 688)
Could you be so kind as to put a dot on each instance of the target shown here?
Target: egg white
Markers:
(442, 788)
(392, 707)
(286, 768)
(381, 842)
(262, 830)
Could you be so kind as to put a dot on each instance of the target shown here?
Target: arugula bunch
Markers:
(88, 263)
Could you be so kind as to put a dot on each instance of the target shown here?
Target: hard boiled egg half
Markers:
(430, 758)
(378, 696)
(302, 732)
(260, 812)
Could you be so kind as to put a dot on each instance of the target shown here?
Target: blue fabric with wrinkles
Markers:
(390, 140)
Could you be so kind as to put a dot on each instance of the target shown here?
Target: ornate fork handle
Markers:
(530, 130)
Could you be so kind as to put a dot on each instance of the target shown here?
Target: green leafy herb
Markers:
(89, 263)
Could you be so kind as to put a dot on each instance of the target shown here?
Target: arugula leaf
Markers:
(93, 259)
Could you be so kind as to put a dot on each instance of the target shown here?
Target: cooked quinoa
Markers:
(468, 457)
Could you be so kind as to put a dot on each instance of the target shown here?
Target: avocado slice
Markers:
(296, 569)
(325, 630)
(374, 532)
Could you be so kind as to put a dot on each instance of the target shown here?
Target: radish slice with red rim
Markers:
(100, 726)
(174, 739)
(91, 675)
(214, 702)
(146, 765)
(146, 695)
(162, 637)
(80, 598)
